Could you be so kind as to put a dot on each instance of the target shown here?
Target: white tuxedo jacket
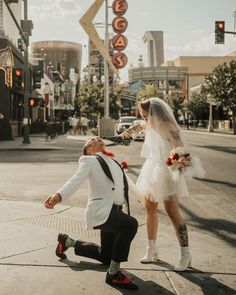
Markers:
(102, 192)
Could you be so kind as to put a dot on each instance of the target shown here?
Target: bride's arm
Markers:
(133, 130)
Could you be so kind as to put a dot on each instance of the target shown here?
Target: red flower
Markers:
(175, 156)
(169, 161)
(109, 154)
(124, 165)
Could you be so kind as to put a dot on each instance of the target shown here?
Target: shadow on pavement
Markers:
(229, 184)
(145, 287)
(229, 150)
(219, 227)
(204, 280)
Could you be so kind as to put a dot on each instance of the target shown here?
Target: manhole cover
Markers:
(62, 224)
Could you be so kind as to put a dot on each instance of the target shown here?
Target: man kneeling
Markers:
(108, 192)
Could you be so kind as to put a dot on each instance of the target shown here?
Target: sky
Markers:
(188, 25)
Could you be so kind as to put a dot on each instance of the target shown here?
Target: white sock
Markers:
(114, 267)
(151, 243)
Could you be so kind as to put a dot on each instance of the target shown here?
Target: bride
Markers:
(156, 181)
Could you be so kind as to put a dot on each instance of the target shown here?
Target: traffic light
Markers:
(37, 75)
(219, 32)
(33, 102)
(36, 102)
(18, 79)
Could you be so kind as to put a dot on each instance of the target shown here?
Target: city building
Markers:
(155, 47)
(198, 67)
(94, 72)
(59, 55)
(173, 76)
(11, 101)
(62, 65)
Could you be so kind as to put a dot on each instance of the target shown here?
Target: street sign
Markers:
(120, 24)
(120, 7)
(119, 60)
(119, 42)
(87, 23)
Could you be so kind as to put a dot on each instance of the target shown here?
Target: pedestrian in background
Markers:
(84, 123)
(74, 122)
(79, 126)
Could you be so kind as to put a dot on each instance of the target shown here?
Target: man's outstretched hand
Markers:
(50, 202)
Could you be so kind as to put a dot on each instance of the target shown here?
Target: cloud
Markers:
(145, 12)
(204, 46)
(58, 9)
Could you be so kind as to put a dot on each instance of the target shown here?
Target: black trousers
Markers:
(116, 235)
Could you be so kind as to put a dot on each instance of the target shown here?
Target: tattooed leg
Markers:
(183, 234)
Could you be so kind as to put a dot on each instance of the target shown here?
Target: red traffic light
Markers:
(33, 102)
(221, 25)
(18, 73)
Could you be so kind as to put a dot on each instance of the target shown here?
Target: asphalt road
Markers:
(30, 175)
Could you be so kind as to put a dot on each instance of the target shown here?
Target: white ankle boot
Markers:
(151, 252)
(185, 259)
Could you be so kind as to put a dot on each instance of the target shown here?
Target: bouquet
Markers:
(180, 163)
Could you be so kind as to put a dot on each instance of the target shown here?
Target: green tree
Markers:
(176, 103)
(149, 90)
(221, 85)
(197, 105)
(90, 102)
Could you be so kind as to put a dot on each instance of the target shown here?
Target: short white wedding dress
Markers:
(155, 180)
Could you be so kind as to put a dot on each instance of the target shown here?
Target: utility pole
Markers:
(27, 82)
(106, 67)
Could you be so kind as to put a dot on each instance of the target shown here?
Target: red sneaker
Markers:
(61, 247)
(120, 280)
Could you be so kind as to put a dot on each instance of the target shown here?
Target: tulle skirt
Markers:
(156, 183)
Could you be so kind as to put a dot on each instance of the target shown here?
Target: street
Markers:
(29, 176)
(33, 174)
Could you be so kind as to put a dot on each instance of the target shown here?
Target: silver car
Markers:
(141, 134)
(124, 123)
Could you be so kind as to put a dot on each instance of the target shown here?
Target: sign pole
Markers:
(26, 120)
(106, 67)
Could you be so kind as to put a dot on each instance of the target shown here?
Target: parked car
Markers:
(124, 123)
(141, 134)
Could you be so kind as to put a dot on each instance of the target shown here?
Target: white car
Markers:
(141, 134)
(124, 123)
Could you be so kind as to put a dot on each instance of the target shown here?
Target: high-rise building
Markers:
(155, 46)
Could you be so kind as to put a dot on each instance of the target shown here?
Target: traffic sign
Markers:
(87, 23)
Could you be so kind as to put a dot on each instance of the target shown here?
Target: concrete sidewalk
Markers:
(217, 132)
(28, 265)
